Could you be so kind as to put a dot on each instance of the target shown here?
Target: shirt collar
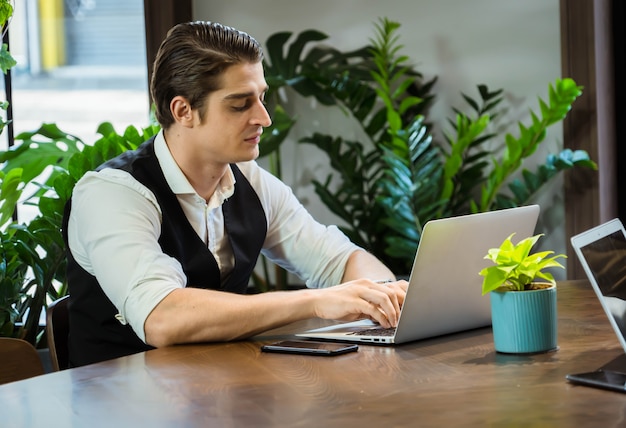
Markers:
(178, 182)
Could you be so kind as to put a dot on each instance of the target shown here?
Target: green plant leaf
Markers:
(274, 135)
(561, 95)
(6, 60)
(515, 267)
(10, 192)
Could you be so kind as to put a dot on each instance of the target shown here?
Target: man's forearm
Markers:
(190, 315)
(362, 264)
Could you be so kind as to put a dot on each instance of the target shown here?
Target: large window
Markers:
(80, 63)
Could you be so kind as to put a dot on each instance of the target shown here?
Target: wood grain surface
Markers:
(453, 380)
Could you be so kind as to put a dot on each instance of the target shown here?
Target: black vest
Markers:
(95, 333)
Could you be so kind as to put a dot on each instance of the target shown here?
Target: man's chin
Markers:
(252, 155)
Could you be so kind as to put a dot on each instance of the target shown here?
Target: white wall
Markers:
(508, 44)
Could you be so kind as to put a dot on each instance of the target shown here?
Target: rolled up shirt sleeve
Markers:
(113, 234)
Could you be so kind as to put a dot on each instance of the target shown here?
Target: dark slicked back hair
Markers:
(191, 60)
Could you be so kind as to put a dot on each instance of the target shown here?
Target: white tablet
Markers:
(602, 253)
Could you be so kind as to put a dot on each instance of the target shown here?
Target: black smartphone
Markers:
(308, 347)
(606, 379)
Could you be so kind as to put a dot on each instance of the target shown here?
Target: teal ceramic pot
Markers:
(524, 321)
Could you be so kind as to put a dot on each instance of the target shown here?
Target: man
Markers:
(163, 240)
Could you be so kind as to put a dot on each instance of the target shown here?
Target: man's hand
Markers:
(360, 299)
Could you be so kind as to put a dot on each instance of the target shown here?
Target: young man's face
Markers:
(235, 116)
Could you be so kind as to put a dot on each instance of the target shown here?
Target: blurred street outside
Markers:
(79, 98)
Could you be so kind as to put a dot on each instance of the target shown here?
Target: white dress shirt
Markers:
(115, 225)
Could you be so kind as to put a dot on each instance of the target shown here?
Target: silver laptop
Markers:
(602, 253)
(445, 289)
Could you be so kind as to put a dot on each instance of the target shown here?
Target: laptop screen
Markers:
(606, 261)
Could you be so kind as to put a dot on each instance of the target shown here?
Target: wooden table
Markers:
(455, 380)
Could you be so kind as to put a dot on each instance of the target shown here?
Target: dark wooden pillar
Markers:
(160, 16)
(587, 57)
(619, 66)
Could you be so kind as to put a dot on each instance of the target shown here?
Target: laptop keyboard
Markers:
(375, 332)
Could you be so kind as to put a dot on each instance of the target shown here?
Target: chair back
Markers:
(57, 332)
(18, 360)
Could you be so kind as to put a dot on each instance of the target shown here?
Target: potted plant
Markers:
(37, 243)
(523, 296)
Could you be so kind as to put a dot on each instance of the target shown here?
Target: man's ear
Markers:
(181, 111)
